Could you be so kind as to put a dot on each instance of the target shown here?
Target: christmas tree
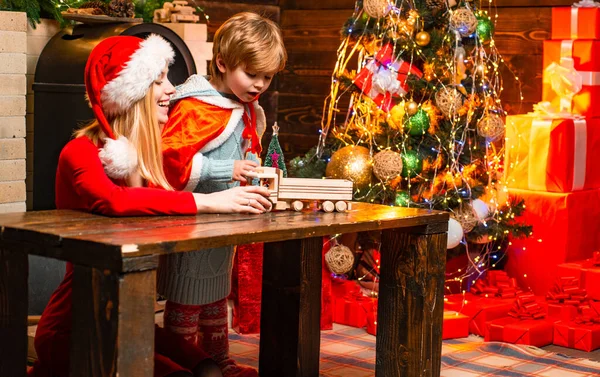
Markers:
(274, 153)
(414, 117)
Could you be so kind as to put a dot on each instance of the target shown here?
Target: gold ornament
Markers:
(352, 163)
(448, 100)
(423, 38)
(463, 21)
(466, 217)
(491, 126)
(339, 259)
(412, 107)
(376, 8)
(387, 165)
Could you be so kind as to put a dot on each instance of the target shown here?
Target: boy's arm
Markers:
(190, 127)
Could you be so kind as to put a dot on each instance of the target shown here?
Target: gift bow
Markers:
(565, 81)
(586, 4)
(525, 307)
(496, 283)
(566, 291)
(594, 261)
(588, 314)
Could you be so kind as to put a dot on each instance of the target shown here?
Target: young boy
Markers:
(211, 143)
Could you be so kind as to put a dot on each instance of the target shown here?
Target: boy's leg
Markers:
(213, 337)
(182, 320)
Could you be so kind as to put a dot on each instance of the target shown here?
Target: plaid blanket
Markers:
(350, 352)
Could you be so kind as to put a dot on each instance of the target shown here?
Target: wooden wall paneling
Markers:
(219, 11)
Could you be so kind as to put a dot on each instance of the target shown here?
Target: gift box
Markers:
(587, 272)
(531, 332)
(585, 55)
(372, 321)
(479, 309)
(456, 325)
(564, 229)
(352, 310)
(562, 312)
(583, 337)
(555, 155)
(576, 22)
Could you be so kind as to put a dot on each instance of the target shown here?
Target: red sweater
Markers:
(82, 184)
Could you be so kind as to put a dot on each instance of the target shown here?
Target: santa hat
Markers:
(118, 73)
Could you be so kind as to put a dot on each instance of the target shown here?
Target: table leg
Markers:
(13, 313)
(411, 302)
(291, 308)
(113, 323)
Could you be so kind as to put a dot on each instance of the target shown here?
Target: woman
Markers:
(128, 90)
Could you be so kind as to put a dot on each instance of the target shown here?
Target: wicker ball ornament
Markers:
(491, 127)
(467, 218)
(463, 21)
(376, 8)
(339, 259)
(448, 100)
(387, 165)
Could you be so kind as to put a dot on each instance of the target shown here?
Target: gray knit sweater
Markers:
(204, 276)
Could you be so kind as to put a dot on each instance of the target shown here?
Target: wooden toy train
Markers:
(296, 193)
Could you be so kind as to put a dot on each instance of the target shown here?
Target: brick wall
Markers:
(36, 41)
(13, 66)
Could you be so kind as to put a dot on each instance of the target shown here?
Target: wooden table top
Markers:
(108, 241)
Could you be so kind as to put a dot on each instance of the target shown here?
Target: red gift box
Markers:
(479, 309)
(556, 155)
(456, 325)
(586, 59)
(384, 77)
(579, 336)
(564, 229)
(587, 272)
(562, 312)
(532, 332)
(372, 321)
(350, 306)
(575, 23)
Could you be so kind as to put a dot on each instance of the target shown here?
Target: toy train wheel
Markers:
(328, 206)
(297, 205)
(341, 206)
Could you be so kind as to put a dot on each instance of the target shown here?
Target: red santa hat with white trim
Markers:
(118, 73)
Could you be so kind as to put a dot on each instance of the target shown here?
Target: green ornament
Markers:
(402, 199)
(412, 163)
(418, 123)
(485, 28)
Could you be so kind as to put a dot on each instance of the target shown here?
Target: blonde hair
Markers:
(249, 39)
(140, 126)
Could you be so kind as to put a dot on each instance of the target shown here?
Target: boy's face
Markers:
(246, 84)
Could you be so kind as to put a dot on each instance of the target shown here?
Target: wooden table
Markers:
(115, 274)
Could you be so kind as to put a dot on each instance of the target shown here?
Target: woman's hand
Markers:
(243, 169)
(247, 199)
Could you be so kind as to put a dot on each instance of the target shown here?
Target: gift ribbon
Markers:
(566, 290)
(496, 283)
(589, 78)
(539, 148)
(575, 14)
(526, 307)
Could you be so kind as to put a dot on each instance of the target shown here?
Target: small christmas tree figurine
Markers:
(274, 153)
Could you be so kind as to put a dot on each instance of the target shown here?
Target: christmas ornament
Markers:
(448, 100)
(491, 126)
(412, 163)
(121, 8)
(101, 6)
(455, 233)
(384, 77)
(339, 259)
(480, 208)
(463, 21)
(423, 38)
(402, 199)
(467, 218)
(412, 107)
(352, 163)
(376, 8)
(418, 123)
(485, 28)
(274, 156)
(387, 165)
(439, 4)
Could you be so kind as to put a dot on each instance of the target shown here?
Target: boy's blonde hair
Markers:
(249, 39)
(140, 126)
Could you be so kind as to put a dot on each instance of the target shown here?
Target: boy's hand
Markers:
(243, 169)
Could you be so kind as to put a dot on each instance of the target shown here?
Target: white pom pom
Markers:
(118, 157)
(455, 233)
